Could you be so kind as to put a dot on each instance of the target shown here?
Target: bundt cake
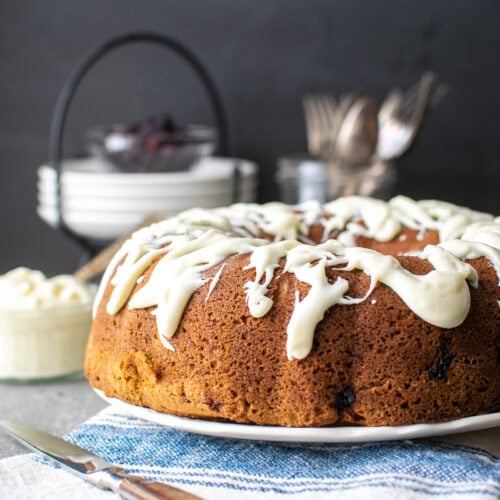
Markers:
(354, 312)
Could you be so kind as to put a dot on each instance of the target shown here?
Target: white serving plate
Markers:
(348, 434)
(47, 189)
(90, 171)
(98, 227)
(149, 204)
(102, 223)
(104, 205)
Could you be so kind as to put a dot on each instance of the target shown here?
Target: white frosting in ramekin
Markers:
(44, 324)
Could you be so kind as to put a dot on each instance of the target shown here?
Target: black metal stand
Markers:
(71, 86)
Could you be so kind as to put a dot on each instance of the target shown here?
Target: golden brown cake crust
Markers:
(389, 358)
(374, 363)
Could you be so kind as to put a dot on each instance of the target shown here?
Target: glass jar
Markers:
(302, 178)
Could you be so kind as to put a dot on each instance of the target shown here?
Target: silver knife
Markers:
(93, 468)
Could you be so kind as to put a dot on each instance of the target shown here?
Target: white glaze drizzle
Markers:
(468, 250)
(214, 281)
(483, 232)
(376, 215)
(179, 274)
(196, 240)
(264, 260)
(309, 311)
(449, 220)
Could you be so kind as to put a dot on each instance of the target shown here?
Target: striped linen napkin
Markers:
(216, 468)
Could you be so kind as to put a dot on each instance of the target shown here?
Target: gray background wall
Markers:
(264, 56)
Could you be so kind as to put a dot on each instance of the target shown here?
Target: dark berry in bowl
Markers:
(156, 144)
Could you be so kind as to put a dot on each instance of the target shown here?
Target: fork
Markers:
(321, 125)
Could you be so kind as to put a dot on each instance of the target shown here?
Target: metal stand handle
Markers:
(73, 82)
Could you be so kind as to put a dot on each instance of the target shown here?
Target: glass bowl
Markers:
(153, 145)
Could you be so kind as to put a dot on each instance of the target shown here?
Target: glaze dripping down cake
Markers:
(357, 311)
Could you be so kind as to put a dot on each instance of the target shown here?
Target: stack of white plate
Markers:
(104, 205)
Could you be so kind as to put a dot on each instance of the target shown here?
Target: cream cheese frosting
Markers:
(187, 245)
(24, 288)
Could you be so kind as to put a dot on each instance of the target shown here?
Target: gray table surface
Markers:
(56, 407)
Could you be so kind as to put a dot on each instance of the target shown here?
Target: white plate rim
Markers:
(97, 192)
(348, 434)
(150, 203)
(207, 169)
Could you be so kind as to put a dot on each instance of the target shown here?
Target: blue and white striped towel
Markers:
(220, 469)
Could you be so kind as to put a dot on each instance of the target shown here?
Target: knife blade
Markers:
(93, 468)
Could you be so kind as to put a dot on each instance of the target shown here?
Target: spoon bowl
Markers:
(357, 136)
(401, 116)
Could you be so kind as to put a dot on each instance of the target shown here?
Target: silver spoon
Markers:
(401, 118)
(357, 136)
(389, 106)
